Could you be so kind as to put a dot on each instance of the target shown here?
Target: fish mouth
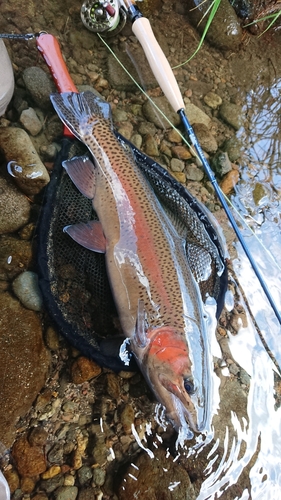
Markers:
(180, 406)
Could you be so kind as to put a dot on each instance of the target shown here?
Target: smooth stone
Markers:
(147, 128)
(27, 484)
(30, 460)
(84, 369)
(152, 477)
(50, 485)
(233, 147)
(181, 152)
(153, 115)
(119, 115)
(212, 100)
(176, 165)
(206, 139)
(28, 171)
(99, 476)
(193, 173)
(231, 114)
(229, 181)
(26, 288)
(259, 192)
(24, 363)
(174, 136)
(196, 115)
(136, 139)
(30, 121)
(126, 129)
(12, 479)
(224, 31)
(38, 437)
(221, 163)
(53, 471)
(40, 86)
(14, 207)
(84, 474)
(15, 257)
(180, 177)
(150, 145)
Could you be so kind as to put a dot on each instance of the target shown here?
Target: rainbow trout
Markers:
(157, 298)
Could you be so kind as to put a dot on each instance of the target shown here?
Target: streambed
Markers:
(77, 436)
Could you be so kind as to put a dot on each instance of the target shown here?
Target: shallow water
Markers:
(247, 441)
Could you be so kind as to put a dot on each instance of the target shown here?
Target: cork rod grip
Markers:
(158, 62)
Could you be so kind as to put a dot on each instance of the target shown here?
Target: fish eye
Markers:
(189, 386)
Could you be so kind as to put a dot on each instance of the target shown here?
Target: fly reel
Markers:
(106, 17)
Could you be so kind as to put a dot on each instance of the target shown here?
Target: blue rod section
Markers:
(210, 174)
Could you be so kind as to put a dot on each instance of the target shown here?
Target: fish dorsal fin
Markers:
(82, 173)
(88, 234)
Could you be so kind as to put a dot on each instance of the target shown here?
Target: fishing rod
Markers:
(108, 13)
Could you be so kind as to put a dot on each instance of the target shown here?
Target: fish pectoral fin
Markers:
(82, 173)
(89, 235)
(140, 337)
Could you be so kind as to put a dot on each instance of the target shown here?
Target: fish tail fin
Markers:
(81, 111)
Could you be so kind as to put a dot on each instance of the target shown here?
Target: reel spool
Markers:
(105, 17)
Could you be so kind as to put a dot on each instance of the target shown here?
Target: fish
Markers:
(157, 298)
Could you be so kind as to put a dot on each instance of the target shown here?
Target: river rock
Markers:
(24, 164)
(224, 31)
(84, 369)
(221, 163)
(153, 115)
(196, 115)
(152, 478)
(231, 114)
(205, 137)
(233, 147)
(26, 288)
(212, 100)
(14, 207)
(40, 86)
(15, 257)
(30, 460)
(228, 182)
(24, 363)
(30, 121)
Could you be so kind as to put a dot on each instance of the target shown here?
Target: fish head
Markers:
(166, 365)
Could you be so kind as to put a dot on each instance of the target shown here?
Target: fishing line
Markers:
(188, 144)
(163, 73)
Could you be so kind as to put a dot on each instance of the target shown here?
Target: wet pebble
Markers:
(30, 121)
(136, 139)
(233, 147)
(152, 115)
(126, 129)
(181, 152)
(176, 165)
(66, 493)
(206, 139)
(14, 207)
(212, 100)
(39, 85)
(50, 485)
(229, 181)
(26, 288)
(84, 474)
(24, 164)
(84, 369)
(193, 172)
(196, 115)
(174, 136)
(53, 471)
(231, 114)
(150, 145)
(12, 479)
(55, 455)
(221, 163)
(30, 460)
(99, 476)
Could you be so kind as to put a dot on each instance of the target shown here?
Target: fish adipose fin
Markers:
(80, 112)
(88, 235)
(82, 173)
